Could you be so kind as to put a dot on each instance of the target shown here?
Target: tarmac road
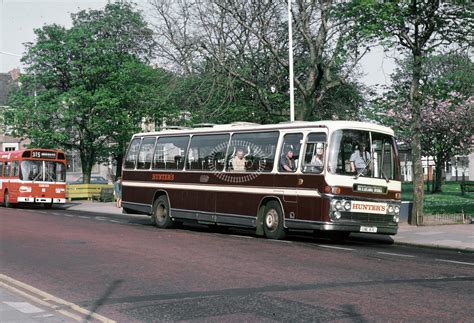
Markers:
(122, 268)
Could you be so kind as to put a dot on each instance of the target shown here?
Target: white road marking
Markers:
(396, 254)
(24, 307)
(43, 316)
(456, 262)
(84, 217)
(284, 241)
(245, 237)
(55, 213)
(57, 304)
(101, 218)
(115, 221)
(333, 247)
(69, 215)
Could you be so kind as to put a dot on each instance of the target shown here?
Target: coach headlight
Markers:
(336, 215)
(396, 209)
(390, 209)
(347, 206)
(396, 218)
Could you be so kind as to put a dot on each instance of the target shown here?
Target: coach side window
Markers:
(207, 152)
(15, 169)
(170, 152)
(315, 152)
(6, 169)
(145, 155)
(132, 154)
(1, 169)
(258, 149)
(290, 152)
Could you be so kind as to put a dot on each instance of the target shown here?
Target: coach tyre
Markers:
(161, 213)
(273, 221)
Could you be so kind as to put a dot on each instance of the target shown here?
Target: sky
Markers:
(18, 18)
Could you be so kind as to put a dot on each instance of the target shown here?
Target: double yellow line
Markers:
(57, 304)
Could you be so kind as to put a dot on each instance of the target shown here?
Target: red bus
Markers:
(33, 176)
(332, 176)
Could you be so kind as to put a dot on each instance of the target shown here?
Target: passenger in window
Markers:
(318, 158)
(360, 158)
(33, 174)
(238, 162)
(177, 161)
(287, 163)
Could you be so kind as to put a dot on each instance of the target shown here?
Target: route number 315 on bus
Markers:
(32, 176)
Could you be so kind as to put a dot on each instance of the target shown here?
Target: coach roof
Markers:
(248, 126)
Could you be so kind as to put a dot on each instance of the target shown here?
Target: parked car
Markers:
(94, 180)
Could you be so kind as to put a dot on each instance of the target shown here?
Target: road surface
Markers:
(124, 269)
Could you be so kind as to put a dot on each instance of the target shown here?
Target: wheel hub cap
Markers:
(271, 220)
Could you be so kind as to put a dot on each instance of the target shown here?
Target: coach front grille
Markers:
(365, 217)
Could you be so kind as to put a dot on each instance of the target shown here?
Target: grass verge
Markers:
(449, 201)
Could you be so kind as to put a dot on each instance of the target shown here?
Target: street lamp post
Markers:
(290, 62)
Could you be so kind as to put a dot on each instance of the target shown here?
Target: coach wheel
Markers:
(161, 213)
(273, 221)
(47, 205)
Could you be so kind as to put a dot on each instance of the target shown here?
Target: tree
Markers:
(248, 41)
(446, 120)
(417, 27)
(446, 128)
(210, 98)
(92, 84)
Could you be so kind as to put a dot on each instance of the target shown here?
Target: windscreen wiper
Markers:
(36, 177)
(371, 161)
(363, 169)
(384, 176)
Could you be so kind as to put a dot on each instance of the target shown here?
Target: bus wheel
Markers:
(161, 213)
(273, 221)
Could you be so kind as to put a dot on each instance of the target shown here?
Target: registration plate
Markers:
(368, 229)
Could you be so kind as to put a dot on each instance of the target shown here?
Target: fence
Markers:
(434, 219)
(103, 192)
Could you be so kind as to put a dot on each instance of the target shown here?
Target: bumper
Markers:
(41, 200)
(328, 226)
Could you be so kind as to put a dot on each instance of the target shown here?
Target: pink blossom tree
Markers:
(446, 127)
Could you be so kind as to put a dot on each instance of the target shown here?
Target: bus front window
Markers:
(55, 172)
(31, 170)
(363, 153)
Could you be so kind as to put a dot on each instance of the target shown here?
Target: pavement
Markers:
(447, 236)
